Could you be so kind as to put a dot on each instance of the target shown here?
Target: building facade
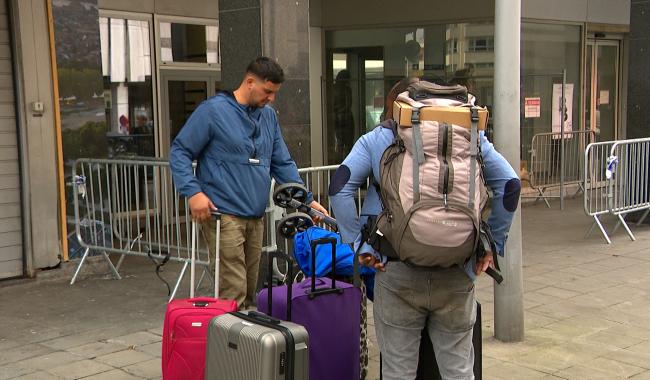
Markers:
(117, 78)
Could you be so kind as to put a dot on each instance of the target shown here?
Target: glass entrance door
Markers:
(355, 84)
(181, 93)
(602, 73)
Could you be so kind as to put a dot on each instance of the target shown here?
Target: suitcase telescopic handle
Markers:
(216, 215)
(279, 255)
(314, 244)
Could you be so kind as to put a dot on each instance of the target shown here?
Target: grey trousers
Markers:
(407, 300)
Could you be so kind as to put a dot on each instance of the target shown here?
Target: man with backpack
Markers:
(410, 296)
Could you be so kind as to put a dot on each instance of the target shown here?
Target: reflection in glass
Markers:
(606, 91)
(187, 95)
(560, 45)
(362, 65)
(128, 91)
(588, 87)
(189, 43)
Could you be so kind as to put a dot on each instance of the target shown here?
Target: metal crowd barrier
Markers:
(136, 202)
(595, 183)
(616, 182)
(131, 208)
(628, 191)
(550, 167)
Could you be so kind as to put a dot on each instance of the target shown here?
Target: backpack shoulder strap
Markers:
(474, 153)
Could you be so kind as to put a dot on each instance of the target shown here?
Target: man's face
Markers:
(261, 92)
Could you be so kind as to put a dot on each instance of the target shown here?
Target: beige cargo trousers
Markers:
(239, 256)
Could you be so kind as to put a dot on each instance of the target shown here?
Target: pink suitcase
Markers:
(186, 325)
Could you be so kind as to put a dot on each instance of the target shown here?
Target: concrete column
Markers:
(638, 119)
(278, 29)
(38, 140)
(508, 297)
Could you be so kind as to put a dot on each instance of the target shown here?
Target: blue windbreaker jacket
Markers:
(238, 149)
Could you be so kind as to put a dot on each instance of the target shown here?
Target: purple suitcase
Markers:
(331, 312)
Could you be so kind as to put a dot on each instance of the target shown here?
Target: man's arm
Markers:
(186, 147)
(349, 177)
(505, 186)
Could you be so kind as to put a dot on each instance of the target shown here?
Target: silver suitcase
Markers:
(253, 346)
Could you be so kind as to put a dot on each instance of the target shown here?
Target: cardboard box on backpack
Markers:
(452, 115)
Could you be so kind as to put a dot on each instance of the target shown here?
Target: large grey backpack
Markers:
(431, 181)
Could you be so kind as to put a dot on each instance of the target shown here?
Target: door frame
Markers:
(591, 84)
(166, 75)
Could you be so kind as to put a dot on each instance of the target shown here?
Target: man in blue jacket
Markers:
(409, 299)
(237, 142)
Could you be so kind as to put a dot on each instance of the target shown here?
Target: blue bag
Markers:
(344, 254)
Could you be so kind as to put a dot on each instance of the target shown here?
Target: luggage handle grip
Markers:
(200, 302)
(263, 317)
(315, 243)
(281, 255)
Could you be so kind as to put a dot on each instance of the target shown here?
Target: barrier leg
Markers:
(643, 217)
(207, 271)
(203, 273)
(111, 266)
(178, 282)
(629, 233)
(542, 196)
(602, 229)
(81, 263)
(119, 262)
(581, 189)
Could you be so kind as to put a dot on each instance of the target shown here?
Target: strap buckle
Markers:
(415, 116)
(474, 114)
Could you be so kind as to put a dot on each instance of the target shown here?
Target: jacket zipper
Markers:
(248, 112)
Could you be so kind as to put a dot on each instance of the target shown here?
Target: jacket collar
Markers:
(252, 111)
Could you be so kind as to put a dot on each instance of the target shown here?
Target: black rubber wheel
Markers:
(283, 194)
(291, 224)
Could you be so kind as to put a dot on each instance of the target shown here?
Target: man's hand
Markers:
(201, 207)
(371, 261)
(317, 206)
(483, 263)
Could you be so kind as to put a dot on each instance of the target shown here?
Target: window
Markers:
(128, 91)
(189, 43)
(452, 46)
(375, 59)
(484, 65)
(560, 49)
(479, 44)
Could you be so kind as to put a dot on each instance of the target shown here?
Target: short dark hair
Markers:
(266, 69)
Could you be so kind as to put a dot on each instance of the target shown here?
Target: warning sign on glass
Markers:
(532, 107)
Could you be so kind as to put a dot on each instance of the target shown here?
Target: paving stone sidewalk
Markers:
(587, 313)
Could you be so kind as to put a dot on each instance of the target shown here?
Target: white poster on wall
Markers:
(567, 117)
(532, 107)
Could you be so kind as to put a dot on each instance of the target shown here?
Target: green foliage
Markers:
(89, 141)
(82, 83)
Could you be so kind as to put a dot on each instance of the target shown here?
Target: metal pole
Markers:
(508, 297)
(562, 114)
